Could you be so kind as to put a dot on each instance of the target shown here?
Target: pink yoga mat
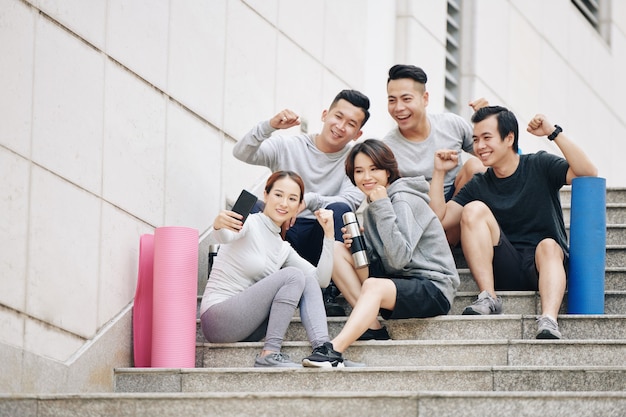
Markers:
(142, 307)
(174, 297)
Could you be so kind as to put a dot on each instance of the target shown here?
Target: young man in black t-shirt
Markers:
(512, 228)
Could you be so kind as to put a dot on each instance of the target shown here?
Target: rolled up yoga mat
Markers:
(174, 297)
(585, 293)
(142, 307)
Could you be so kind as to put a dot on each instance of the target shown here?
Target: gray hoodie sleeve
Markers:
(349, 194)
(397, 229)
(254, 148)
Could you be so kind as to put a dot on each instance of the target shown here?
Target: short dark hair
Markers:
(284, 174)
(400, 71)
(357, 99)
(507, 122)
(381, 155)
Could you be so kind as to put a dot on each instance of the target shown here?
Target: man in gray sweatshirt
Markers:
(419, 134)
(319, 159)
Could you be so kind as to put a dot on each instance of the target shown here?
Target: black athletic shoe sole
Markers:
(327, 364)
(546, 335)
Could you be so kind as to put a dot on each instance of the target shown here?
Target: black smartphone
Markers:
(244, 204)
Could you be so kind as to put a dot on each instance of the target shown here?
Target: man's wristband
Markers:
(556, 132)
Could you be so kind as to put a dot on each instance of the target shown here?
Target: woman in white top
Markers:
(258, 280)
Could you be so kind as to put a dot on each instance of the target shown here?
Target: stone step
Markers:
(615, 256)
(435, 378)
(408, 402)
(615, 234)
(496, 327)
(501, 327)
(448, 366)
(613, 195)
(615, 213)
(506, 326)
(615, 278)
(394, 353)
(529, 302)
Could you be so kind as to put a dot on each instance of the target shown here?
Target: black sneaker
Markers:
(333, 309)
(324, 357)
(378, 334)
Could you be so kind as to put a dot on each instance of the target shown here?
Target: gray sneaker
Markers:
(275, 360)
(485, 304)
(547, 328)
(350, 364)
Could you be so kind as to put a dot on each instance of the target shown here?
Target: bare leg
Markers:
(376, 293)
(345, 275)
(470, 167)
(348, 279)
(552, 278)
(479, 234)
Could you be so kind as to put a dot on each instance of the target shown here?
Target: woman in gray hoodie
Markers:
(412, 272)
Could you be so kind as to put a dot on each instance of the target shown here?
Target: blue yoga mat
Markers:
(585, 293)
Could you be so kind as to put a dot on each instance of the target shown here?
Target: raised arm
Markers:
(478, 103)
(227, 227)
(247, 149)
(579, 163)
(448, 213)
(322, 273)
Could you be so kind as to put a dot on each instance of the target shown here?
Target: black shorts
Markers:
(416, 297)
(515, 269)
(450, 193)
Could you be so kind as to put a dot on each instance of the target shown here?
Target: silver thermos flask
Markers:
(359, 254)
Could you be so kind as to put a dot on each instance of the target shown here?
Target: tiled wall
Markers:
(544, 57)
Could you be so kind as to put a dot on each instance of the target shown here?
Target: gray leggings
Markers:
(266, 308)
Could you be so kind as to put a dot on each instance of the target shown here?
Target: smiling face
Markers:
(406, 103)
(342, 124)
(488, 145)
(282, 200)
(367, 175)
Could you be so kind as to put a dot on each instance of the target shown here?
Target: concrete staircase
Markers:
(445, 366)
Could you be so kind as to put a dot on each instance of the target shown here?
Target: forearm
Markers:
(325, 265)
(246, 149)
(580, 164)
(437, 199)
(352, 197)
(220, 236)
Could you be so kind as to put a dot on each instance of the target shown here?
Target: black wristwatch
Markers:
(556, 132)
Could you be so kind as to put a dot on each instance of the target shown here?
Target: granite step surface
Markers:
(392, 353)
(400, 402)
(437, 378)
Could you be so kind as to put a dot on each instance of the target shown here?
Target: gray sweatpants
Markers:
(269, 304)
